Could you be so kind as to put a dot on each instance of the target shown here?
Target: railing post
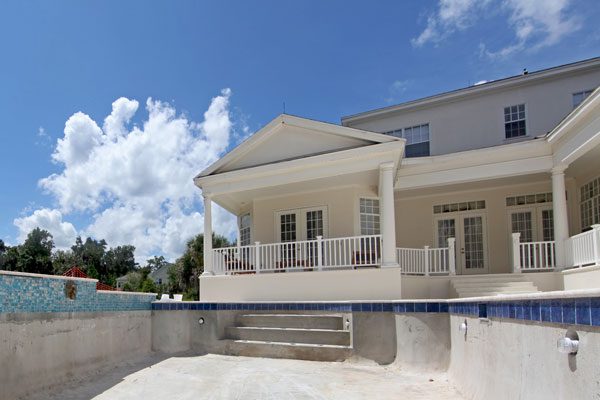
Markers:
(320, 253)
(257, 257)
(516, 252)
(596, 242)
(452, 255)
(426, 248)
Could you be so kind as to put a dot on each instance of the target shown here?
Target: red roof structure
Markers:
(76, 272)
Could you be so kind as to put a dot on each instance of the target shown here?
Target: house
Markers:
(488, 189)
(160, 276)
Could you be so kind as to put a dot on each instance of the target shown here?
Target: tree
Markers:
(35, 254)
(155, 263)
(63, 260)
(119, 261)
(191, 264)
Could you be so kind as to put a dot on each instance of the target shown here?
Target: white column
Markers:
(561, 218)
(208, 256)
(387, 215)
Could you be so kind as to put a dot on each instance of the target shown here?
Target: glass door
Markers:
(473, 249)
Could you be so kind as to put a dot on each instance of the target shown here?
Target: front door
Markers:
(469, 230)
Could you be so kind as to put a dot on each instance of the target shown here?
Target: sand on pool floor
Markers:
(227, 377)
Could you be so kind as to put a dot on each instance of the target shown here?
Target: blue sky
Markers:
(217, 71)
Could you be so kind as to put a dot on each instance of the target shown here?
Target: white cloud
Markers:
(534, 23)
(395, 90)
(64, 233)
(135, 182)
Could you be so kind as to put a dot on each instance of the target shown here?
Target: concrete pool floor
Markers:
(227, 377)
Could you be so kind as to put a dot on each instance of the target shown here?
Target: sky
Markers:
(109, 109)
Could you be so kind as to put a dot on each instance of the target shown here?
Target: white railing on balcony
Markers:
(308, 255)
(532, 256)
(427, 260)
(583, 249)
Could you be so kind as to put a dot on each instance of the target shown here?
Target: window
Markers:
(514, 121)
(579, 97)
(538, 198)
(245, 222)
(590, 204)
(456, 207)
(369, 217)
(417, 139)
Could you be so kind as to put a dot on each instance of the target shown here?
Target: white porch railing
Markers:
(583, 249)
(428, 261)
(532, 256)
(307, 255)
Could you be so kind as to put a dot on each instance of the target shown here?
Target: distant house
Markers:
(121, 281)
(161, 275)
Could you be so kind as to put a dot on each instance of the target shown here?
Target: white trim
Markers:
(300, 170)
(45, 276)
(301, 223)
(282, 120)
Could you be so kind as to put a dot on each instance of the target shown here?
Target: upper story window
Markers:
(514, 121)
(579, 97)
(245, 222)
(417, 140)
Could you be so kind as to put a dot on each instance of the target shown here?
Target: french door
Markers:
(300, 225)
(535, 224)
(470, 232)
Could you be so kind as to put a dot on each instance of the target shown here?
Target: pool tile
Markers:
(568, 312)
(433, 307)
(482, 310)
(556, 311)
(420, 307)
(582, 311)
(546, 311)
(595, 310)
(505, 310)
(387, 307)
(444, 307)
(365, 307)
(410, 307)
(377, 307)
(535, 310)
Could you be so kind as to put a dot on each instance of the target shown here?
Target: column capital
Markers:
(386, 166)
(559, 169)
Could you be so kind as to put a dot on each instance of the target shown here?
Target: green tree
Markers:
(118, 261)
(63, 260)
(90, 256)
(155, 263)
(35, 254)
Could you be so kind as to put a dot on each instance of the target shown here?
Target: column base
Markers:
(207, 273)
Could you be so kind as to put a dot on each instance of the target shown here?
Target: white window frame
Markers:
(249, 227)
(301, 223)
(525, 119)
(359, 222)
(402, 134)
(584, 95)
(594, 202)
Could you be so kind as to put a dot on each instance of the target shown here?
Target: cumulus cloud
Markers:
(64, 233)
(534, 23)
(135, 182)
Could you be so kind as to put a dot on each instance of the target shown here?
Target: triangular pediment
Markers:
(288, 138)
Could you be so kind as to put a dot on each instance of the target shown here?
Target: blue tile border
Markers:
(569, 311)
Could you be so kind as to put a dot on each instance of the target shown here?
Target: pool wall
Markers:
(46, 337)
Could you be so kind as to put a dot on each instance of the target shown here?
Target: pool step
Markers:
(298, 351)
(479, 286)
(308, 321)
(317, 337)
(293, 335)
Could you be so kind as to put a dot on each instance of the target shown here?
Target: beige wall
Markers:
(582, 278)
(478, 121)
(415, 218)
(342, 285)
(341, 203)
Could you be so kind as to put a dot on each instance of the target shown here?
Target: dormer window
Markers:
(514, 121)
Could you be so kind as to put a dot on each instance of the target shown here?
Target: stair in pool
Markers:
(317, 337)
(491, 285)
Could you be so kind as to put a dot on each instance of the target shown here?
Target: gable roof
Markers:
(285, 123)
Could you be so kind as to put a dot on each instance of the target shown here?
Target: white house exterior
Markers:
(491, 188)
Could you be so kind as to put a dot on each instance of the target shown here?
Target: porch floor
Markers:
(227, 377)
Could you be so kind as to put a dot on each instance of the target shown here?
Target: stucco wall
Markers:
(38, 350)
(366, 284)
(415, 218)
(478, 121)
(341, 203)
(505, 359)
(582, 278)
